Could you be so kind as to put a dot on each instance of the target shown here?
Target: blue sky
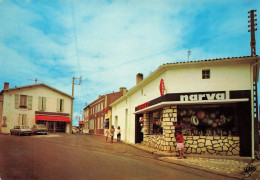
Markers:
(109, 42)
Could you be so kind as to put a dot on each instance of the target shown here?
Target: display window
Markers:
(156, 122)
(208, 120)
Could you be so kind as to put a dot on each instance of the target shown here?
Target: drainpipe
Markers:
(252, 107)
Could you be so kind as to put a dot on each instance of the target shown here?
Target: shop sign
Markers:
(144, 105)
(202, 96)
(162, 87)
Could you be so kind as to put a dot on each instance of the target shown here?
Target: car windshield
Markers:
(25, 127)
(41, 126)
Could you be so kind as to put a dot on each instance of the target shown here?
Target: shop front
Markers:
(55, 122)
(217, 123)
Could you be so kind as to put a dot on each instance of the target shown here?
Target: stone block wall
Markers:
(208, 145)
(212, 145)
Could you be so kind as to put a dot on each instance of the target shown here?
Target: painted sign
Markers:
(162, 87)
(203, 97)
(144, 105)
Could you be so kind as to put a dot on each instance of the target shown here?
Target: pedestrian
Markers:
(118, 134)
(112, 131)
(180, 144)
(106, 133)
(177, 129)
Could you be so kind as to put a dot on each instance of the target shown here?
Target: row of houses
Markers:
(213, 101)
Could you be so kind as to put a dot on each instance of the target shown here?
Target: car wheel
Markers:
(11, 133)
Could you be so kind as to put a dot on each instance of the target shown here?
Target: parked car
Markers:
(39, 129)
(21, 130)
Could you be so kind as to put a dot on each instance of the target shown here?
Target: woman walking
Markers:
(112, 131)
(118, 134)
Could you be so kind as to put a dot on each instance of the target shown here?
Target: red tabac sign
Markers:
(144, 105)
(162, 87)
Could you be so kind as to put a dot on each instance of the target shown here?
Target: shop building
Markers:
(97, 114)
(35, 104)
(213, 101)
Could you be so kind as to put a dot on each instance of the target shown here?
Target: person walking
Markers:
(112, 131)
(106, 133)
(118, 134)
(180, 144)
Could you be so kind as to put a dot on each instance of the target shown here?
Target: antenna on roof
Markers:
(189, 52)
(35, 80)
(252, 29)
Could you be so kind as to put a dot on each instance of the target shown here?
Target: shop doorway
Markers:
(51, 127)
(138, 128)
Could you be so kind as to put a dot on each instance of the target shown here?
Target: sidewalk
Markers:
(230, 166)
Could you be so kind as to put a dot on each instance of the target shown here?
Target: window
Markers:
(60, 105)
(102, 106)
(91, 124)
(206, 74)
(42, 103)
(23, 101)
(209, 120)
(156, 122)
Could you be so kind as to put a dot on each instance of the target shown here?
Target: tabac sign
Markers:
(203, 96)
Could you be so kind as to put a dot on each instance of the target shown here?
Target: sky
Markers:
(108, 42)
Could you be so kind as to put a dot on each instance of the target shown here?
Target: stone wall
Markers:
(217, 145)
(208, 145)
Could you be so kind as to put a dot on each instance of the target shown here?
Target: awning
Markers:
(162, 104)
(81, 122)
(52, 118)
(106, 123)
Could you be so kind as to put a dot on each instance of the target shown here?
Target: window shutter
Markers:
(62, 105)
(44, 104)
(17, 101)
(30, 102)
(19, 120)
(39, 103)
(58, 105)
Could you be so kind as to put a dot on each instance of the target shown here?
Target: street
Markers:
(63, 156)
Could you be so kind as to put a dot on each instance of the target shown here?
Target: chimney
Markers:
(6, 85)
(139, 78)
(123, 90)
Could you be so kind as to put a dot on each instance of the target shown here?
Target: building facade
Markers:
(213, 103)
(35, 104)
(98, 114)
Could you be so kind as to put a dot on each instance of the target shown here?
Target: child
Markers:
(180, 144)
(112, 131)
(106, 132)
(118, 134)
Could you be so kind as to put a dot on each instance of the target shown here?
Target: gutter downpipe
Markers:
(252, 108)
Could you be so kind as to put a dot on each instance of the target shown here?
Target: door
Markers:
(138, 128)
(51, 127)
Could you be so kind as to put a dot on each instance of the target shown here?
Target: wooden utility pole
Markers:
(252, 25)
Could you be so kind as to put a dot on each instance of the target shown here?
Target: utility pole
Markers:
(71, 113)
(252, 25)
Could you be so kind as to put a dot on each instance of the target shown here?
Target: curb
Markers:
(162, 157)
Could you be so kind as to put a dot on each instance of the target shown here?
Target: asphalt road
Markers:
(63, 156)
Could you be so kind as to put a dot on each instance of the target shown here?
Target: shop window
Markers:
(209, 120)
(206, 74)
(156, 122)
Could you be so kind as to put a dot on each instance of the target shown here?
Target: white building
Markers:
(35, 104)
(214, 101)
